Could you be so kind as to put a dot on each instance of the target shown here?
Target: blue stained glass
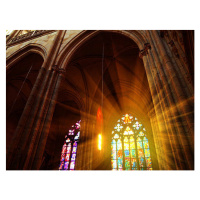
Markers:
(62, 157)
(119, 163)
(73, 158)
(146, 144)
(133, 153)
(66, 165)
(134, 163)
(126, 153)
(141, 162)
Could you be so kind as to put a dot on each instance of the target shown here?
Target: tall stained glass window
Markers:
(69, 149)
(130, 146)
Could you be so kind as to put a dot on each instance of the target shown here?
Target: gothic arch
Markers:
(67, 52)
(23, 52)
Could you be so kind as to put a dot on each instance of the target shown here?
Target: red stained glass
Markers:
(140, 153)
(67, 157)
(119, 154)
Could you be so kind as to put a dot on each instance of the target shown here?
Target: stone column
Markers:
(173, 96)
(20, 153)
(159, 116)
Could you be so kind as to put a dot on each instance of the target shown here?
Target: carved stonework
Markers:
(144, 51)
(58, 70)
(164, 33)
(174, 49)
(28, 36)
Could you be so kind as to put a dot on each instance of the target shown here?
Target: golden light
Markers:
(99, 141)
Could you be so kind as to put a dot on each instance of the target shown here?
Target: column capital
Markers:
(58, 70)
(144, 51)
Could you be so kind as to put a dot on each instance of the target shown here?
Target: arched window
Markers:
(68, 154)
(130, 146)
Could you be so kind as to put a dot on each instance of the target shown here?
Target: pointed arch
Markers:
(67, 52)
(18, 55)
(129, 145)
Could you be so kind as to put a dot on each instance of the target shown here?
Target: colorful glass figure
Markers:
(68, 155)
(130, 146)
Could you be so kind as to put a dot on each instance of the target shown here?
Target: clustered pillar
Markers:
(173, 106)
(30, 137)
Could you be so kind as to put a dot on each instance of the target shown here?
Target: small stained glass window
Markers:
(69, 149)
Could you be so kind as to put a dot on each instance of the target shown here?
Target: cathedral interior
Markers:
(100, 100)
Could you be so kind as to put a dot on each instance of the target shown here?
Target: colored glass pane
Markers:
(145, 144)
(62, 157)
(113, 146)
(140, 153)
(147, 153)
(139, 143)
(72, 164)
(132, 145)
(113, 155)
(148, 162)
(116, 136)
(74, 150)
(119, 162)
(141, 133)
(66, 165)
(114, 164)
(119, 154)
(61, 165)
(126, 146)
(126, 139)
(119, 145)
(73, 158)
(69, 149)
(118, 127)
(126, 153)
(141, 162)
(133, 153)
(67, 140)
(67, 157)
(64, 149)
(134, 162)
(127, 163)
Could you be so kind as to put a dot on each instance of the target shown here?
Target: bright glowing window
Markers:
(69, 149)
(130, 146)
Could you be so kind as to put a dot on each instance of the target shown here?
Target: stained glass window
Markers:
(130, 146)
(69, 149)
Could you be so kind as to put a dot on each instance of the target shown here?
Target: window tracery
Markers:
(130, 146)
(69, 149)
